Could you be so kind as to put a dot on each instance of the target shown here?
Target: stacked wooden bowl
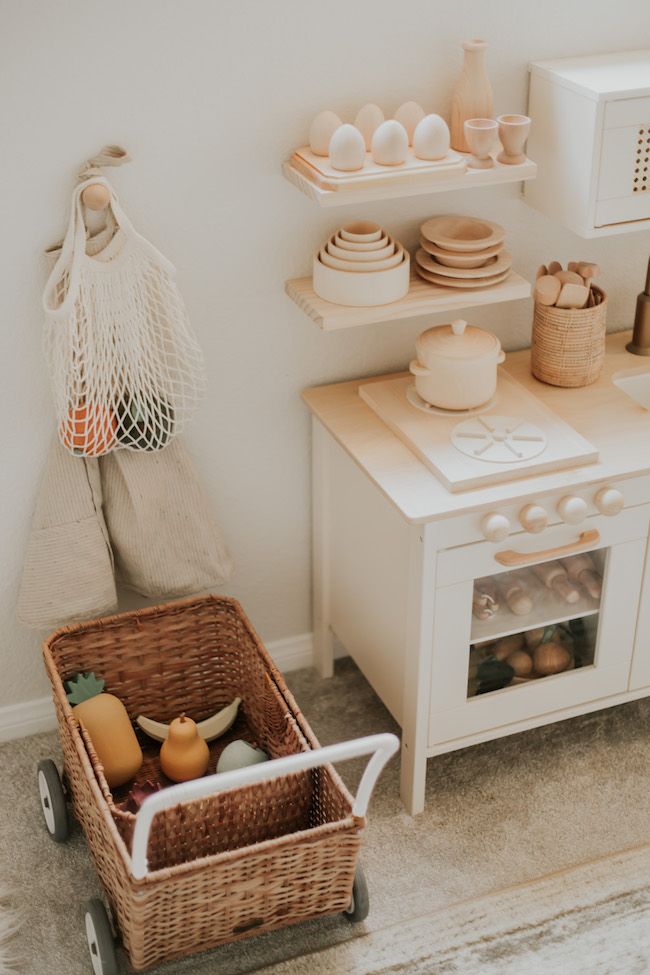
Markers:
(361, 265)
(462, 252)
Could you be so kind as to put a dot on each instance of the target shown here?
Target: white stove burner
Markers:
(499, 439)
(416, 400)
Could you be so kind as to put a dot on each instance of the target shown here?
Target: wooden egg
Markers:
(368, 119)
(431, 138)
(322, 129)
(390, 144)
(521, 662)
(347, 150)
(409, 115)
(551, 658)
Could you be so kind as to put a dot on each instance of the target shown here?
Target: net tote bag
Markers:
(125, 367)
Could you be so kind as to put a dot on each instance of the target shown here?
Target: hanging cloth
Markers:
(68, 569)
(125, 368)
(142, 520)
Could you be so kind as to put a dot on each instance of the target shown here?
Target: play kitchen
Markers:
(480, 526)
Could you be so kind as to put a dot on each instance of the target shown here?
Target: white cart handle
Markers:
(381, 747)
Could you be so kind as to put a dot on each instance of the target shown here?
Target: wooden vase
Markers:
(472, 96)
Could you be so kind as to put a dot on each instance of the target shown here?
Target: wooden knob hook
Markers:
(96, 196)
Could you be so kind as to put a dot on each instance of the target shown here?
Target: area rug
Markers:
(593, 919)
(8, 929)
(498, 817)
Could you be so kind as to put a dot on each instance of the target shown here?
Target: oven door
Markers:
(522, 630)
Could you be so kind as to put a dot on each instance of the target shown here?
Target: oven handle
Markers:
(586, 539)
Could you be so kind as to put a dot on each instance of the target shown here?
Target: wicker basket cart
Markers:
(226, 856)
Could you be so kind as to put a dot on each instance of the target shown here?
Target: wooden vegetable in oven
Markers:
(555, 577)
(485, 600)
(582, 570)
(513, 590)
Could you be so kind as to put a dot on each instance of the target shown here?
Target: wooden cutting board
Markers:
(429, 436)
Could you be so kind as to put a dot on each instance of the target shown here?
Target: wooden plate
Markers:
(495, 265)
(451, 259)
(457, 233)
(458, 282)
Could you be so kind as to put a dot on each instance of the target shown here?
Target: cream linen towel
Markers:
(164, 538)
(155, 520)
(68, 571)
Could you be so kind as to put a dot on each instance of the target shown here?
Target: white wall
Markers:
(209, 96)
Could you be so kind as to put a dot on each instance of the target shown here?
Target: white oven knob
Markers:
(609, 501)
(572, 509)
(495, 527)
(533, 518)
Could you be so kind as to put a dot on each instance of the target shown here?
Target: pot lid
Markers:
(457, 341)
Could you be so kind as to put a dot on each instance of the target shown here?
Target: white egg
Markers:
(390, 144)
(409, 114)
(368, 119)
(322, 129)
(347, 150)
(431, 138)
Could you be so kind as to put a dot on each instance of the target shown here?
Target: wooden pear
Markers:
(184, 755)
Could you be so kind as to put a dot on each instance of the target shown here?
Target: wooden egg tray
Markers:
(319, 170)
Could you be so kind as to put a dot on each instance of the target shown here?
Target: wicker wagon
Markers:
(225, 856)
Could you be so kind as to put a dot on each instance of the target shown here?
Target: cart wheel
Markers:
(53, 804)
(101, 943)
(360, 903)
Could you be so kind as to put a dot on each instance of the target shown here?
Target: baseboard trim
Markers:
(36, 716)
(27, 718)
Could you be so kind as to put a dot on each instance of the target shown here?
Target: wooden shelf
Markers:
(422, 299)
(414, 184)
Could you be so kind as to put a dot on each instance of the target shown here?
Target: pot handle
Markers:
(417, 369)
(501, 357)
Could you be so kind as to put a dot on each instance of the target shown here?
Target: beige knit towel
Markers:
(146, 509)
(68, 571)
(164, 538)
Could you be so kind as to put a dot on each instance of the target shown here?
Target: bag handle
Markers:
(380, 747)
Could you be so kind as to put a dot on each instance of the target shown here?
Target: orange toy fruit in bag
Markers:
(90, 430)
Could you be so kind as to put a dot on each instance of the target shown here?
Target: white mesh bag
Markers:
(125, 367)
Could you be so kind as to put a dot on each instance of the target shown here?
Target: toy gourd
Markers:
(104, 718)
(184, 754)
(239, 754)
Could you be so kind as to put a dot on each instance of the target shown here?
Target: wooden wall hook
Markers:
(96, 196)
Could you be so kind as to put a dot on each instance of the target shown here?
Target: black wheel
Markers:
(360, 903)
(53, 804)
(99, 936)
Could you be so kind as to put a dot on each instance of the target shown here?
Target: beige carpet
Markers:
(501, 814)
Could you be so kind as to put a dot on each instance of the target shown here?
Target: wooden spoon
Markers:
(541, 271)
(547, 289)
(554, 267)
(573, 296)
(569, 277)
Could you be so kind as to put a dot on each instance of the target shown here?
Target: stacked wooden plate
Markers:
(462, 252)
(361, 265)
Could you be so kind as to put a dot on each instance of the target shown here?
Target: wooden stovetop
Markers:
(602, 413)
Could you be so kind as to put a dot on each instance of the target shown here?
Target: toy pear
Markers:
(184, 755)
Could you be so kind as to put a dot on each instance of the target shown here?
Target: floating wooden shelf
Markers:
(413, 184)
(422, 299)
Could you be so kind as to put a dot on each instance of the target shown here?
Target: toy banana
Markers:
(211, 728)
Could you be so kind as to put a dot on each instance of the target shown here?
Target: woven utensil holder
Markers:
(568, 345)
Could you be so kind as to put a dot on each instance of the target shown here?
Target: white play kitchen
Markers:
(480, 526)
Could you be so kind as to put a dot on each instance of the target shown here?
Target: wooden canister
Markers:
(568, 344)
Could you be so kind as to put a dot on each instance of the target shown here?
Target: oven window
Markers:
(535, 623)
